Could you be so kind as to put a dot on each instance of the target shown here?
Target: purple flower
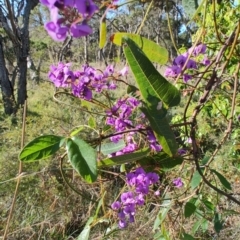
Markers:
(129, 209)
(206, 61)
(186, 77)
(127, 198)
(142, 188)
(116, 138)
(80, 30)
(191, 64)
(109, 71)
(70, 10)
(172, 71)
(178, 182)
(139, 181)
(140, 199)
(87, 8)
(200, 49)
(122, 224)
(116, 205)
(57, 32)
(48, 3)
(182, 151)
(153, 177)
(69, 3)
(180, 60)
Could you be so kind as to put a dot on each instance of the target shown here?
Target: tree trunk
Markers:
(23, 52)
(19, 36)
(9, 102)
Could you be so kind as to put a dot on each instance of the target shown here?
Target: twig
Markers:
(20, 167)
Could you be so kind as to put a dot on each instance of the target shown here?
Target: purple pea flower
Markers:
(180, 61)
(178, 182)
(48, 3)
(206, 61)
(153, 177)
(57, 32)
(116, 205)
(77, 30)
(200, 49)
(182, 151)
(191, 64)
(186, 77)
(122, 223)
(172, 71)
(127, 198)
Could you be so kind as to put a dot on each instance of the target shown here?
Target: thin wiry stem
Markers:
(20, 168)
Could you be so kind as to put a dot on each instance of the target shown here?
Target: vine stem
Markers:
(20, 168)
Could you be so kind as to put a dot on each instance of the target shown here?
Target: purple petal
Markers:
(80, 30)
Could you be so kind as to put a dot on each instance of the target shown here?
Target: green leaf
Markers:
(189, 209)
(92, 122)
(100, 203)
(161, 160)
(205, 160)
(196, 226)
(102, 33)
(222, 179)
(83, 158)
(76, 131)
(111, 147)
(209, 205)
(162, 130)
(186, 236)
(196, 179)
(166, 206)
(218, 224)
(41, 148)
(126, 158)
(151, 83)
(152, 50)
(159, 236)
(204, 225)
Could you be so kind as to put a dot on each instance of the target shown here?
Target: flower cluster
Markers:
(73, 20)
(83, 82)
(139, 182)
(119, 117)
(191, 64)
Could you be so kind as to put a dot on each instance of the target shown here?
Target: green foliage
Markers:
(189, 209)
(103, 34)
(41, 148)
(195, 211)
(162, 130)
(153, 51)
(126, 158)
(153, 86)
(83, 158)
(110, 147)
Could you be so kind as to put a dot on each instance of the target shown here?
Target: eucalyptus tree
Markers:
(14, 20)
